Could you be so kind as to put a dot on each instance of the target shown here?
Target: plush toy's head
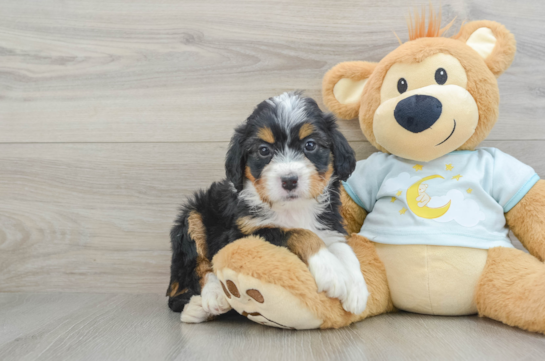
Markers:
(431, 95)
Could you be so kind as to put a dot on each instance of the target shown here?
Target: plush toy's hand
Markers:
(330, 275)
(353, 214)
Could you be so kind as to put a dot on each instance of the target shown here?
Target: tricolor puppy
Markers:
(284, 168)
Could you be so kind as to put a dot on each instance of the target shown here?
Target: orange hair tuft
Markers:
(418, 28)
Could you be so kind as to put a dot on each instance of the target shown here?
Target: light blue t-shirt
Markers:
(458, 199)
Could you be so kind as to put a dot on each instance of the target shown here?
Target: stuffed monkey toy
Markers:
(429, 212)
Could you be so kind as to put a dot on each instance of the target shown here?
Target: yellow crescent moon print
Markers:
(424, 212)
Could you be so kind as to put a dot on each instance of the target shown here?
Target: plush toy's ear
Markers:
(492, 41)
(343, 85)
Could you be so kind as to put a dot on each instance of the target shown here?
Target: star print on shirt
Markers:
(393, 199)
(469, 190)
(403, 210)
(448, 166)
(399, 193)
(457, 177)
(418, 167)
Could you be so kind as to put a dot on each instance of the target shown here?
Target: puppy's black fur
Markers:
(221, 205)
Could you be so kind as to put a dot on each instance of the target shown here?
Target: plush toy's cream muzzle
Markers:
(426, 123)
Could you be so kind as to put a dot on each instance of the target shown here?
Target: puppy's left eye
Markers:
(310, 146)
(264, 151)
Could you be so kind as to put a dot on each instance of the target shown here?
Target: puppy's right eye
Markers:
(264, 151)
(402, 85)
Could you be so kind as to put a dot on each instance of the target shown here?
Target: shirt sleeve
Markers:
(364, 183)
(511, 181)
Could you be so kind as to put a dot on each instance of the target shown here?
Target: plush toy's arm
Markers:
(527, 220)
(353, 214)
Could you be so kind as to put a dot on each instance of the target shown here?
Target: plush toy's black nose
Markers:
(289, 183)
(418, 112)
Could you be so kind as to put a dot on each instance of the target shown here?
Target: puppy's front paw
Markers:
(193, 311)
(356, 301)
(329, 273)
(213, 298)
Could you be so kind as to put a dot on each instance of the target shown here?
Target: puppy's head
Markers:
(288, 149)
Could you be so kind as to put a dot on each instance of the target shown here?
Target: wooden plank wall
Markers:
(112, 111)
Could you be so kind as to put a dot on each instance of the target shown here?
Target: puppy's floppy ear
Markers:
(235, 160)
(492, 41)
(343, 85)
(344, 158)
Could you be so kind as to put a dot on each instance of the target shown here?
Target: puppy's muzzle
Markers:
(418, 112)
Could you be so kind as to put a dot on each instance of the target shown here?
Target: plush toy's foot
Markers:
(512, 289)
(265, 303)
(272, 286)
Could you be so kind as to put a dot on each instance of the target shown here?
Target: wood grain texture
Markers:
(170, 71)
(96, 217)
(137, 327)
(111, 112)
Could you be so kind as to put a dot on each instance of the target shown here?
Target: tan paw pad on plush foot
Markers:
(265, 303)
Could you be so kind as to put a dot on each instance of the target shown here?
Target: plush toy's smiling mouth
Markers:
(451, 133)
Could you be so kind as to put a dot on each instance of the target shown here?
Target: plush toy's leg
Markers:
(272, 286)
(512, 289)
(374, 272)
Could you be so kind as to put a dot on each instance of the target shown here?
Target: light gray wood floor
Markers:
(137, 327)
(112, 111)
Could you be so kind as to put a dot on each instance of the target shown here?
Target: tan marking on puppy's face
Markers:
(266, 135)
(259, 185)
(197, 232)
(306, 130)
(318, 181)
(410, 93)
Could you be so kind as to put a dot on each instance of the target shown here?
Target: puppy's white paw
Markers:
(213, 298)
(193, 311)
(329, 273)
(356, 301)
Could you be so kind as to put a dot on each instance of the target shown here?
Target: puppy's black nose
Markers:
(289, 183)
(418, 112)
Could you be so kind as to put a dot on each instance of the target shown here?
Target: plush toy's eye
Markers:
(310, 146)
(441, 76)
(401, 85)
(264, 151)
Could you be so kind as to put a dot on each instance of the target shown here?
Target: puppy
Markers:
(284, 166)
